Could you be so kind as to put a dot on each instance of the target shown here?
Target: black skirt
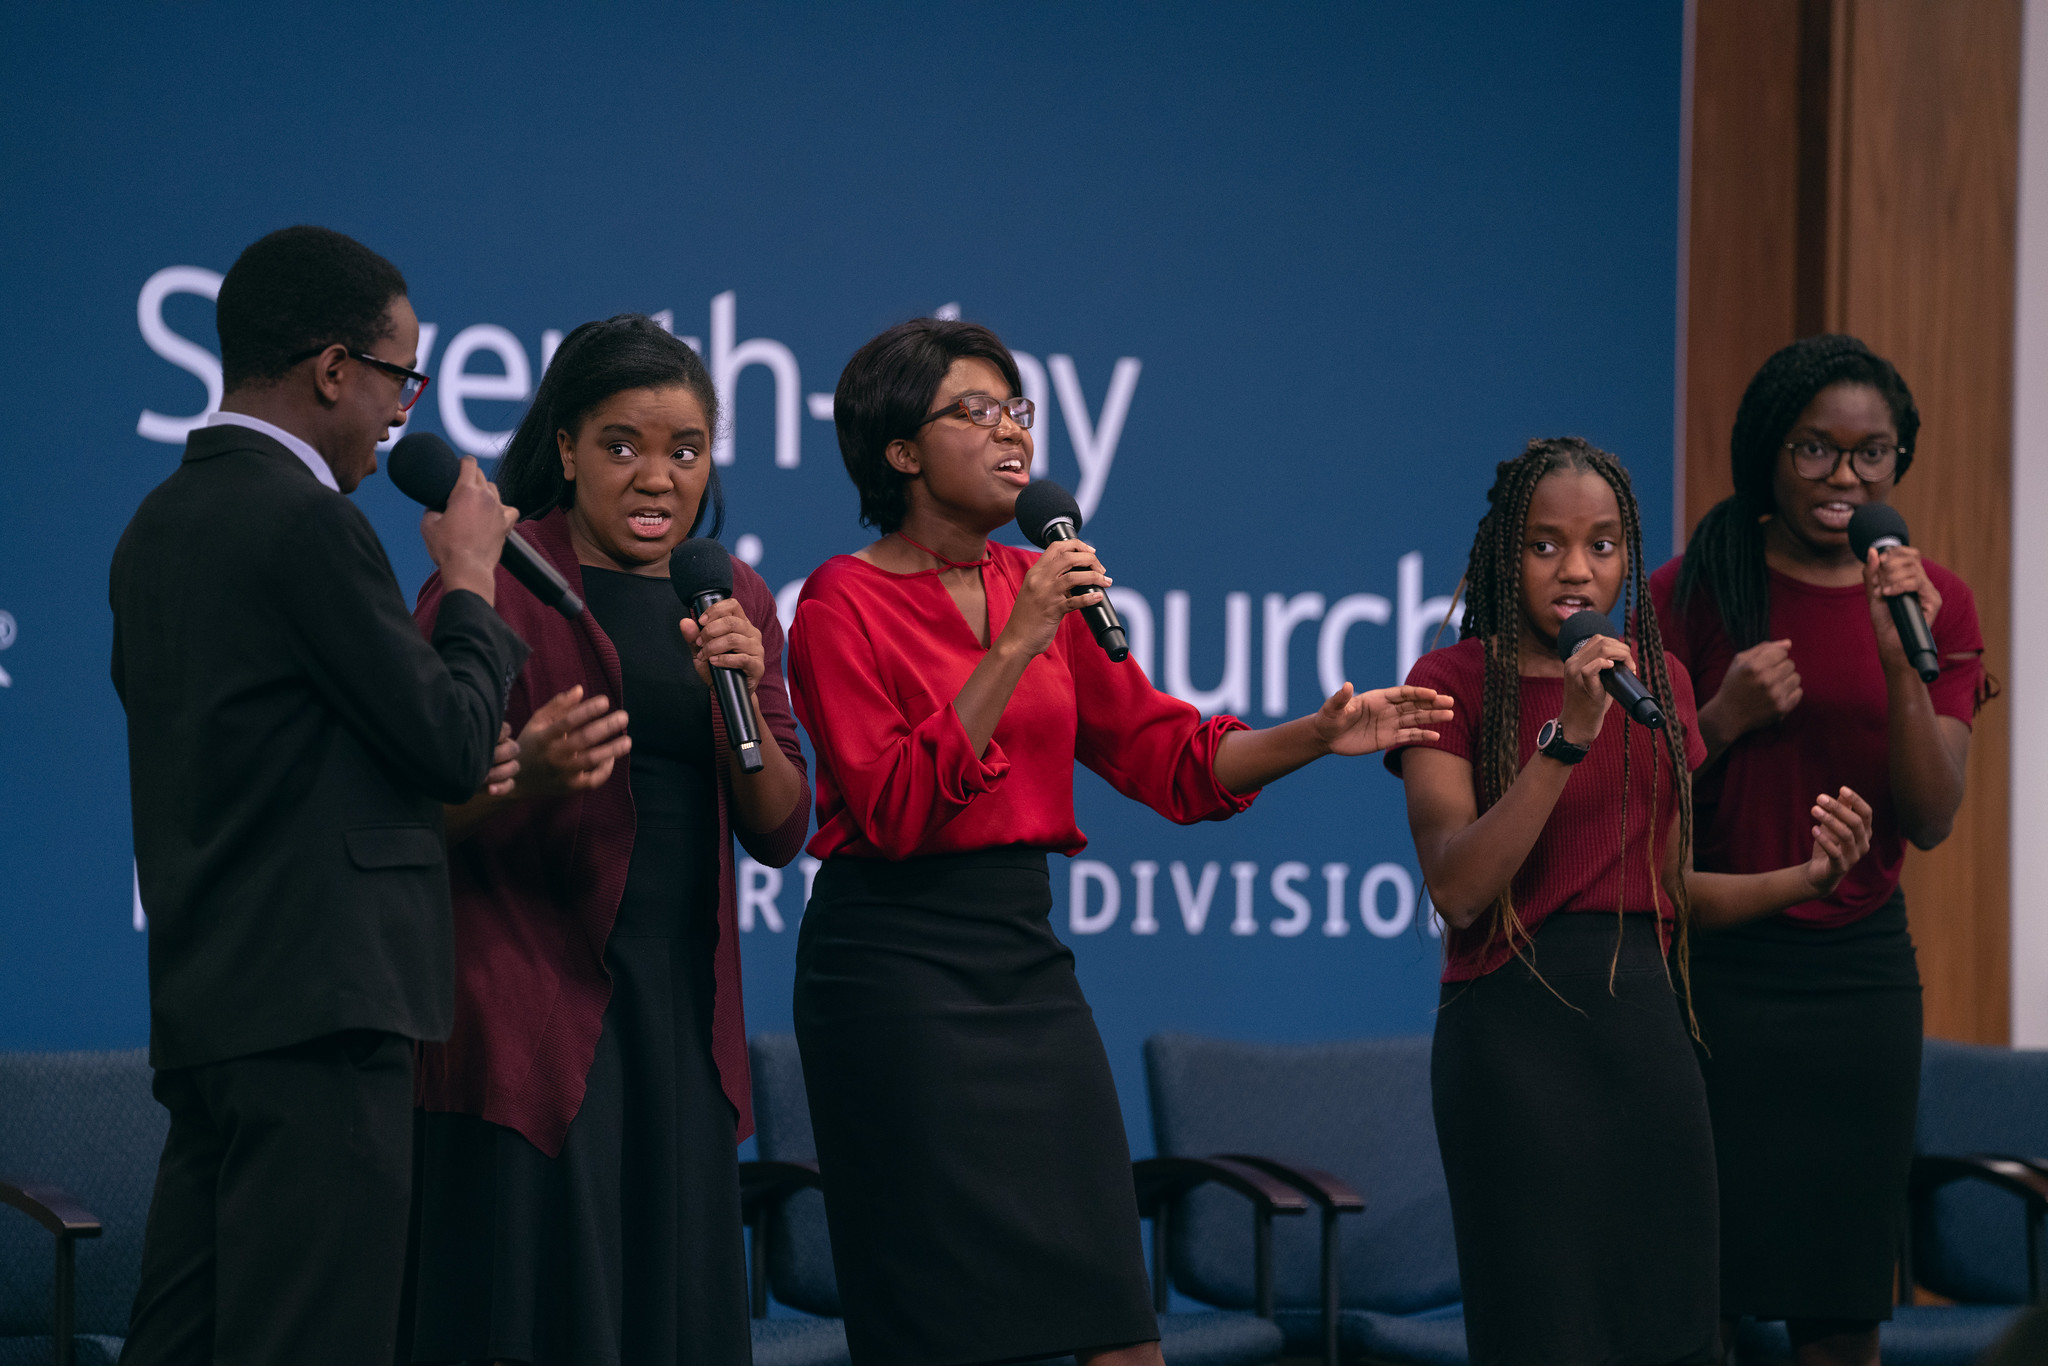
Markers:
(977, 1177)
(1812, 1062)
(1578, 1153)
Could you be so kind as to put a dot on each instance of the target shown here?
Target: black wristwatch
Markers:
(1550, 741)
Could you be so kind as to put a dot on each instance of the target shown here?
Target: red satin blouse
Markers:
(875, 661)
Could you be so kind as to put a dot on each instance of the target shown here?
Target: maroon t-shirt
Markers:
(1582, 861)
(1752, 809)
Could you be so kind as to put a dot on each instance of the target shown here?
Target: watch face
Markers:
(1546, 735)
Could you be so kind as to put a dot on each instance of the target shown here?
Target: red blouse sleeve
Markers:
(903, 771)
(1151, 747)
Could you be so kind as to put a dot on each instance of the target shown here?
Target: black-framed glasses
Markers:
(985, 411)
(1815, 458)
(411, 383)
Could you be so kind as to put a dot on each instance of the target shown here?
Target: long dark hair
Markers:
(1725, 556)
(1494, 612)
(597, 360)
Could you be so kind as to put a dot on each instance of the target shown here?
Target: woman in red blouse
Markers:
(976, 1173)
(1810, 1020)
(1555, 836)
(578, 1180)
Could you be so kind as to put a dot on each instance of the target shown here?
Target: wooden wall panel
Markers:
(1854, 168)
(1923, 270)
(1743, 249)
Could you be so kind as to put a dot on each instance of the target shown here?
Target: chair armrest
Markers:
(1162, 1180)
(764, 1185)
(2011, 1174)
(1337, 1198)
(51, 1208)
(1330, 1191)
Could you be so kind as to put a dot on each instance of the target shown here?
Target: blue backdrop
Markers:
(1290, 281)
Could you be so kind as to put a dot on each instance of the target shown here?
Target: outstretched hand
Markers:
(1841, 837)
(1362, 723)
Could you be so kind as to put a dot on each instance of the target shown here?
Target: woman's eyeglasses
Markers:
(984, 411)
(411, 383)
(1814, 458)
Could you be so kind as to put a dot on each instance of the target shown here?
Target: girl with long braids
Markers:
(1556, 843)
(1810, 1020)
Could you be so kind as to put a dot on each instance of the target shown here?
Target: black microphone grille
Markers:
(1579, 628)
(1874, 522)
(698, 566)
(1042, 503)
(424, 468)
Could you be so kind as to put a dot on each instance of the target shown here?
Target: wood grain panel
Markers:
(1924, 272)
(1854, 168)
(1743, 252)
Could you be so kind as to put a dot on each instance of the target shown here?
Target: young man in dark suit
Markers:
(291, 741)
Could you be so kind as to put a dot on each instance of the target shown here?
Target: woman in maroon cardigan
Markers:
(578, 1191)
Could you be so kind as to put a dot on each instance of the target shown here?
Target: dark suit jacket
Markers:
(291, 739)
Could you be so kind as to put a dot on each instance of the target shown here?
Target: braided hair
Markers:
(1725, 556)
(1494, 612)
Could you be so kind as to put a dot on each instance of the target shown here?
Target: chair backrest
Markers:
(799, 1245)
(1969, 1243)
(86, 1123)
(1359, 1110)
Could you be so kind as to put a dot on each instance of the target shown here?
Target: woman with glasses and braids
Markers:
(578, 1194)
(977, 1179)
(1555, 835)
(1810, 1020)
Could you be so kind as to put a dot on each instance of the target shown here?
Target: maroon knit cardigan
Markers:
(537, 887)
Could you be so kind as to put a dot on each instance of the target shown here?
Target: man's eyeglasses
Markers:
(1817, 459)
(984, 411)
(411, 383)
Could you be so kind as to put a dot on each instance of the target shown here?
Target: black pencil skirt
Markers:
(1811, 1054)
(1578, 1152)
(977, 1177)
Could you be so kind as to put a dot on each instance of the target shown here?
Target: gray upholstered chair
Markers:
(1350, 1124)
(80, 1135)
(792, 1251)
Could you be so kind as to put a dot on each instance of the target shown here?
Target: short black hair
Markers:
(296, 290)
(597, 360)
(1725, 557)
(885, 391)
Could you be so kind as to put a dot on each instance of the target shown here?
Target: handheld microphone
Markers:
(1621, 684)
(425, 468)
(1047, 513)
(1877, 526)
(701, 573)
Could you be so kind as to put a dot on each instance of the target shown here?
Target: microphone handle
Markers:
(542, 579)
(1102, 618)
(1914, 635)
(733, 701)
(1624, 687)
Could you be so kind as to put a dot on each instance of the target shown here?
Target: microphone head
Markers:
(425, 468)
(698, 566)
(1874, 522)
(1579, 628)
(1042, 503)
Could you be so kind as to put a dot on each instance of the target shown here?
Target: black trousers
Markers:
(277, 1232)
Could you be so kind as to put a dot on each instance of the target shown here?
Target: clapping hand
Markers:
(569, 745)
(1362, 723)
(1841, 837)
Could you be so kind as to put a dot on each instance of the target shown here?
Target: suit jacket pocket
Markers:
(393, 846)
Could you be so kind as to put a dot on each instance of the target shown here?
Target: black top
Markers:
(291, 739)
(672, 767)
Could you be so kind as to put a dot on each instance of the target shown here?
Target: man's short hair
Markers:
(298, 290)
